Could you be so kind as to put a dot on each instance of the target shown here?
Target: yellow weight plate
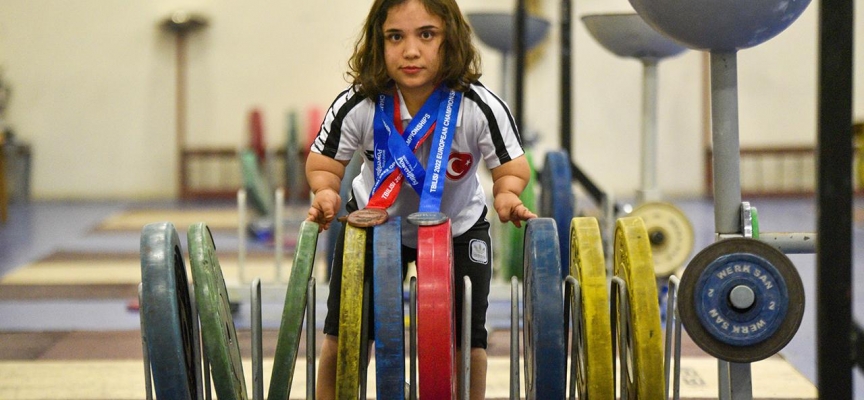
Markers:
(594, 339)
(350, 314)
(633, 264)
(670, 235)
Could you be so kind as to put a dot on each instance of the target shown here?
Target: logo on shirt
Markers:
(459, 165)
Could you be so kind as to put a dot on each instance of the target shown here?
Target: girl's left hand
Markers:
(510, 209)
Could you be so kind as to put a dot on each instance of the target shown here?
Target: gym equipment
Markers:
(389, 316)
(594, 336)
(168, 321)
(633, 265)
(256, 184)
(545, 357)
(217, 325)
(351, 314)
(514, 238)
(256, 137)
(627, 35)
(743, 300)
(723, 29)
(670, 234)
(436, 324)
(558, 202)
(296, 302)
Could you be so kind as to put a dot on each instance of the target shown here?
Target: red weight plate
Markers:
(435, 318)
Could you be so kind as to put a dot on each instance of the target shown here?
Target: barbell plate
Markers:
(545, 355)
(670, 234)
(634, 264)
(256, 184)
(594, 341)
(741, 334)
(436, 333)
(217, 325)
(293, 313)
(557, 200)
(168, 318)
(389, 315)
(351, 313)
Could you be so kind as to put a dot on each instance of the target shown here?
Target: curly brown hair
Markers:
(460, 60)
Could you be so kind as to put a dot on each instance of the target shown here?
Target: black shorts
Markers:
(468, 260)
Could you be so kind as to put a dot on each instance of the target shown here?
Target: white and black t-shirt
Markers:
(485, 130)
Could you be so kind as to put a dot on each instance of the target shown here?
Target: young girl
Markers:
(413, 58)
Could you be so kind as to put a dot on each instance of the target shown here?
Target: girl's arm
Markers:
(324, 175)
(509, 179)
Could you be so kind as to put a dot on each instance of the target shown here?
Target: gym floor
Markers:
(69, 329)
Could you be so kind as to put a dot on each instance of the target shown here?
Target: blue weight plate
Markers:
(168, 318)
(217, 324)
(557, 201)
(745, 330)
(545, 355)
(389, 316)
(293, 312)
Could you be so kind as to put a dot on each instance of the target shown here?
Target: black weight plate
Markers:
(217, 325)
(389, 315)
(557, 201)
(167, 314)
(545, 355)
(750, 334)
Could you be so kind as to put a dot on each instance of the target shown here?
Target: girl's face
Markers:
(412, 40)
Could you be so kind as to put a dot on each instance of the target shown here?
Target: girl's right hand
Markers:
(325, 205)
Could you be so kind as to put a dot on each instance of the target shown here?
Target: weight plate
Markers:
(514, 238)
(351, 313)
(293, 313)
(545, 355)
(557, 201)
(741, 300)
(389, 316)
(754, 222)
(436, 333)
(594, 340)
(167, 310)
(670, 234)
(260, 195)
(427, 218)
(634, 264)
(368, 217)
(217, 325)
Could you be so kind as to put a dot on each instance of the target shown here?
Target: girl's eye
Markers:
(394, 37)
(427, 34)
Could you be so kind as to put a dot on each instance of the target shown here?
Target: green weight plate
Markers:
(633, 264)
(594, 340)
(293, 312)
(217, 325)
(255, 182)
(351, 314)
(167, 314)
(670, 234)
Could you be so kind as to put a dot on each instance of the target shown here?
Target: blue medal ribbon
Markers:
(442, 140)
